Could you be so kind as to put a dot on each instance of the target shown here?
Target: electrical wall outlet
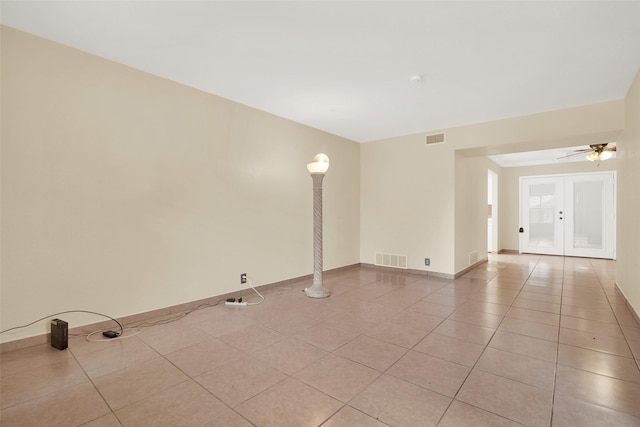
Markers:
(243, 278)
(427, 261)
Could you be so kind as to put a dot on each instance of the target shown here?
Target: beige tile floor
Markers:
(521, 340)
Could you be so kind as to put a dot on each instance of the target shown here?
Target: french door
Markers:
(571, 215)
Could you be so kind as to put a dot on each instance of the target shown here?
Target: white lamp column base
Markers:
(317, 290)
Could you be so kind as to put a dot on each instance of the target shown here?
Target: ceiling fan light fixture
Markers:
(592, 156)
(606, 155)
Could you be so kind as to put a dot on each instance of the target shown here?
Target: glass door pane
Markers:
(542, 199)
(590, 225)
(588, 212)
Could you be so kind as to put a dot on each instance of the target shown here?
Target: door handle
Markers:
(521, 230)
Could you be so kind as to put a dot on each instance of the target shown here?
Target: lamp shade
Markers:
(320, 164)
(606, 155)
(592, 156)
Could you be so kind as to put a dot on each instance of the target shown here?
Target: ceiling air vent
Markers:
(436, 138)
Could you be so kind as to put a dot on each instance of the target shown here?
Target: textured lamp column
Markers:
(317, 168)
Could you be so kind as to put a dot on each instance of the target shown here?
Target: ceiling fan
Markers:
(595, 152)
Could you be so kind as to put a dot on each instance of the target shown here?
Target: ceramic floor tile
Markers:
(393, 333)
(445, 300)
(289, 403)
(399, 403)
(371, 291)
(503, 286)
(129, 385)
(524, 369)
(600, 328)
(220, 324)
(120, 354)
(465, 332)
(376, 313)
(70, 406)
(371, 352)
(289, 355)
(26, 359)
(537, 296)
(585, 313)
(547, 307)
(498, 289)
(240, 380)
(460, 414)
(432, 309)
(621, 396)
(109, 420)
(252, 338)
(510, 399)
(534, 316)
(186, 404)
(485, 307)
(203, 357)
(351, 322)
(585, 303)
(38, 382)
(430, 372)
(338, 377)
(524, 345)
(290, 324)
(228, 419)
(416, 320)
(531, 329)
(174, 339)
(593, 341)
(400, 298)
(599, 363)
(349, 417)
(326, 337)
(631, 333)
(568, 412)
(493, 298)
(543, 288)
(479, 318)
(450, 349)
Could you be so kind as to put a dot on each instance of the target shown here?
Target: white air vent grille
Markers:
(437, 138)
(391, 260)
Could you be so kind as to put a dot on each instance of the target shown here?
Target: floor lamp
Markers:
(317, 168)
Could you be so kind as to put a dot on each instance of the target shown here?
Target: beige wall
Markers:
(407, 202)
(510, 193)
(628, 236)
(123, 192)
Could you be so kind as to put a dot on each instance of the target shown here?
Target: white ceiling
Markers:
(345, 66)
(543, 157)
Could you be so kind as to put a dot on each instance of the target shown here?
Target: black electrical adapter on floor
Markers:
(110, 334)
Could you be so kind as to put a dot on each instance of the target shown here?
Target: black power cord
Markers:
(65, 312)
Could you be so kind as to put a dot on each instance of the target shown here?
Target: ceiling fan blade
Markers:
(573, 154)
(610, 148)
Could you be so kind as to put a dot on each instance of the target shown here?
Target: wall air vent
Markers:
(391, 260)
(436, 138)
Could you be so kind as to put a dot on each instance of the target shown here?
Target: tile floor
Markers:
(521, 340)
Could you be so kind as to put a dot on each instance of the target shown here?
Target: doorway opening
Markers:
(492, 211)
